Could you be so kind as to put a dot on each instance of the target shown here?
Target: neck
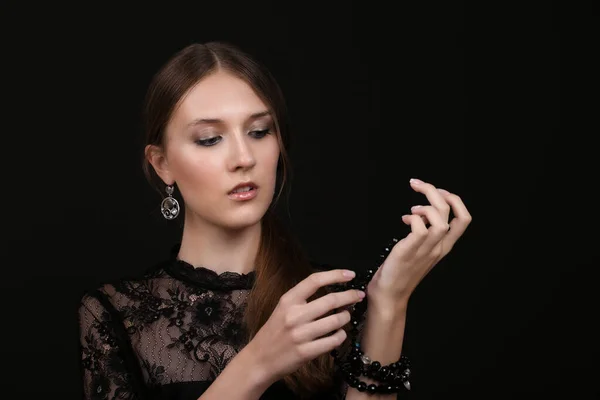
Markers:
(219, 249)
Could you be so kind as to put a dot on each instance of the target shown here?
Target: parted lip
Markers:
(244, 184)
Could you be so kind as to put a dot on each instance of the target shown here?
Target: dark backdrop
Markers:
(474, 99)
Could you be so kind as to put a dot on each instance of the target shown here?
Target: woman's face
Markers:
(221, 135)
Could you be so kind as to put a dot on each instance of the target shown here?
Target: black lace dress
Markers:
(167, 335)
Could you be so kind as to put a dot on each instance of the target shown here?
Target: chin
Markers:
(243, 219)
(240, 225)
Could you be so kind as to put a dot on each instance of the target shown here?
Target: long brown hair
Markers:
(281, 262)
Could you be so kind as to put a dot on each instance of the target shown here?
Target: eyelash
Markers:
(209, 142)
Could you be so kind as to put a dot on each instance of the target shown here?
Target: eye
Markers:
(209, 141)
(260, 133)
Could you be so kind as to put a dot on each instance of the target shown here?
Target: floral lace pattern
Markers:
(178, 324)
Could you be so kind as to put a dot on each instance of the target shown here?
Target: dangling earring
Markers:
(169, 207)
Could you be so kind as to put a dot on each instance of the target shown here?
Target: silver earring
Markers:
(169, 207)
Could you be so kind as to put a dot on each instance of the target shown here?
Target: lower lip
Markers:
(243, 196)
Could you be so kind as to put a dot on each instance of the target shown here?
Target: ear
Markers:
(156, 157)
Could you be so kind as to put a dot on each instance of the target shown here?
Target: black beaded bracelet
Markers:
(394, 377)
(397, 372)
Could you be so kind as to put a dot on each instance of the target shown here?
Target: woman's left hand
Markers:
(414, 256)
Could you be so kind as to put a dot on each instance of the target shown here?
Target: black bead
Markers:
(360, 308)
(384, 372)
(361, 386)
(356, 364)
(375, 365)
(372, 388)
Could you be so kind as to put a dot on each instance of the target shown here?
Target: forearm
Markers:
(240, 380)
(382, 338)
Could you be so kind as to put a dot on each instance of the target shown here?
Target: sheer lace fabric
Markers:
(167, 335)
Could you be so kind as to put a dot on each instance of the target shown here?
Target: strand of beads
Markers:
(393, 377)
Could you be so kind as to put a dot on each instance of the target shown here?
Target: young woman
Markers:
(239, 312)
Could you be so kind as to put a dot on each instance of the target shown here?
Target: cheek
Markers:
(193, 171)
(269, 170)
(272, 156)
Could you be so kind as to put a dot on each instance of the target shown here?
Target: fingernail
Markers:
(443, 191)
(349, 274)
(361, 294)
(416, 181)
(414, 207)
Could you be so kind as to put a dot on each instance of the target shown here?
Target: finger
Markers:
(411, 243)
(434, 197)
(423, 217)
(321, 327)
(315, 348)
(462, 217)
(439, 227)
(309, 285)
(324, 304)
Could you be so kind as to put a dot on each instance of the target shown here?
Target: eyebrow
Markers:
(200, 121)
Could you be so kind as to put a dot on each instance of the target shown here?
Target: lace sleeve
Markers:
(105, 375)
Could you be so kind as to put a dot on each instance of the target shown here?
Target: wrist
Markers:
(387, 308)
(258, 374)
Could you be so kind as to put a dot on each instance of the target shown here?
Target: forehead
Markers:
(220, 95)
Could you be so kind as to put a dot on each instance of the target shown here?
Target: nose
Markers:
(242, 155)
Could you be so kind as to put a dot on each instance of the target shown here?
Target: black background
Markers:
(496, 103)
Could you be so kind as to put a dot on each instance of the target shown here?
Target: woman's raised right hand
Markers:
(295, 332)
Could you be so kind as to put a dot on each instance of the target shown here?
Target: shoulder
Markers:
(100, 302)
(116, 293)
